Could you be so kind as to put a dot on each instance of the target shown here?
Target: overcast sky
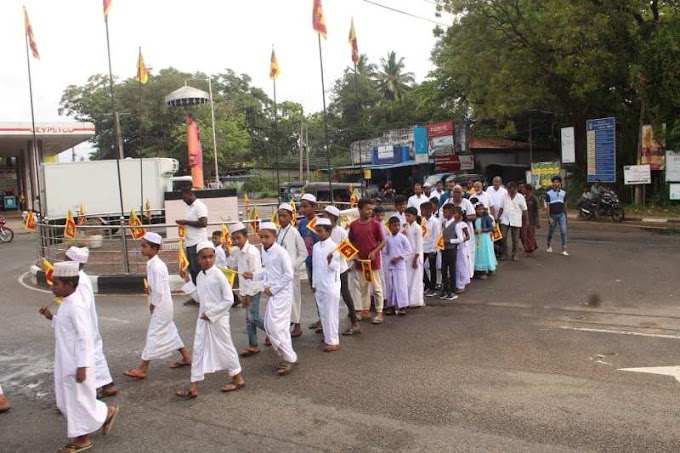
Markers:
(200, 35)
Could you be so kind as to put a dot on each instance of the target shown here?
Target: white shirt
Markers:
(220, 256)
(483, 198)
(434, 227)
(512, 210)
(194, 235)
(464, 204)
(415, 201)
(289, 238)
(247, 259)
(496, 196)
(338, 234)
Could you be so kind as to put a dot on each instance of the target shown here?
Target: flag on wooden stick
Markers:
(70, 226)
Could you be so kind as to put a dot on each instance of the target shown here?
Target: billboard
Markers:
(637, 174)
(652, 150)
(440, 138)
(568, 148)
(543, 172)
(601, 147)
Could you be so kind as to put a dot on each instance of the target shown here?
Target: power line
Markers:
(406, 13)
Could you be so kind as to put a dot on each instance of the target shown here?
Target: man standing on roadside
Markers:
(418, 198)
(482, 197)
(196, 223)
(512, 213)
(556, 208)
(496, 195)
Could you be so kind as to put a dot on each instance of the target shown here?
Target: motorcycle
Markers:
(6, 233)
(608, 206)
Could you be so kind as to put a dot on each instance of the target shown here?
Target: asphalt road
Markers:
(523, 362)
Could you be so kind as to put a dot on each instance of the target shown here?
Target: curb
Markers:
(111, 284)
(640, 219)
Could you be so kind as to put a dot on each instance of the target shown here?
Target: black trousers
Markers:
(194, 266)
(431, 281)
(347, 296)
(449, 269)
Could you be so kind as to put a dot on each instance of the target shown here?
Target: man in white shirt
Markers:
(512, 212)
(196, 222)
(419, 198)
(439, 190)
(482, 197)
(496, 194)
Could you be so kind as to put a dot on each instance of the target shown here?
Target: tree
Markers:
(391, 79)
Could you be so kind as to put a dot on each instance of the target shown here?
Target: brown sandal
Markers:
(137, 374)
(180, 365)
(247, 352)
(233, 386)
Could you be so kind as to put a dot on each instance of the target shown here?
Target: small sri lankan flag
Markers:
(70, 226)
(311, 225)
(347, 250)
(366, 270)
(440, 241)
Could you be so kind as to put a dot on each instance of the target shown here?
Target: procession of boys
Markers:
(430, 246)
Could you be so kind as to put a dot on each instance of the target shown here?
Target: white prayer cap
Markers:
(332, 210)
(286, 206)
(427, 184)
(205, 245)
(309, 197)
(66, 269)
(153, 238)
(238, 226)
(269, 226)
(323, 221)
(78, 254)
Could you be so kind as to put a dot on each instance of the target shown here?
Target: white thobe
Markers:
(220, 256)
(278, 276)
(326, 282)
(213, 347)
(102, 372)
(73, 349)
(246, 259)
(414, 275)
(289, 238)
(162, 337)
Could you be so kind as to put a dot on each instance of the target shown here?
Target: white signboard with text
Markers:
(637, 174)
(568, 148)
(672, 166)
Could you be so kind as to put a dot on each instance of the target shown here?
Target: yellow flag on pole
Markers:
(70, 226)
(142, 71)
(29, 225)
(183, 260)
(136, 229)
(49, 270)
(274, 69)
(82, 220)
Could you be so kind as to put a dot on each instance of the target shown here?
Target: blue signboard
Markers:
(601, 146)
(421, 145)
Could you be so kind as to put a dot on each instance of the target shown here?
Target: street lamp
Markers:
(189, 96)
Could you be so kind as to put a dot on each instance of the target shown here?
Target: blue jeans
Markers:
(253, 319)
(561, 220)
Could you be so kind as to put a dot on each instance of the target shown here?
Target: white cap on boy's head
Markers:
(323, 221)
(205, 245)
(269, 226)
(66, 269)
(309, 197)
(332, 210)
(153, 238)
(238, 226)
(78, 254)
(287, 206)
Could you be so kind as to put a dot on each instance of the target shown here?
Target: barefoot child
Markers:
(277, 277)
(102, 375)
(328, 265)
(74, 382)
(213, 347)
(246, 258)
(162, 337)
(395, 252)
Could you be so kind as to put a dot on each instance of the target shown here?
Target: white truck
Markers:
(94, 185)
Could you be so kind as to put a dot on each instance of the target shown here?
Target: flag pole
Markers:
(141, 136)
(356, 95)
(276, 145)
(119, 141)
(325, 122)
(35, 183)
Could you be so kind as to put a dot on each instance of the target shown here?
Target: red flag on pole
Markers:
(318, 19)
(31, 38)
(353, 42)
(274, 69)
(107, 8)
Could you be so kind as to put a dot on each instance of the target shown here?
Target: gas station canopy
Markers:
(53, 138)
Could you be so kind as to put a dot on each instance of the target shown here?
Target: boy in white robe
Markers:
(213, 347)
(162, 337)
(74, 381)
(246, 258)
(277, 278)
(328, 265)
(289, 238)
(414, 261)
(338, 235)
(395, 252)
(220, 253)
(103, 380)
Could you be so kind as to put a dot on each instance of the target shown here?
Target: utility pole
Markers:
(302, 152)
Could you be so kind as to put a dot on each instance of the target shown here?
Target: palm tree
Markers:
(391, 79)
(366, 68)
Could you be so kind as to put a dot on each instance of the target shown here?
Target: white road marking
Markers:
(106, 318)
(663, 370)
(21, 282)
(621, 332)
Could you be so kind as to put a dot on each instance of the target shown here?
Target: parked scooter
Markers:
(608, 205)
(6, 233)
